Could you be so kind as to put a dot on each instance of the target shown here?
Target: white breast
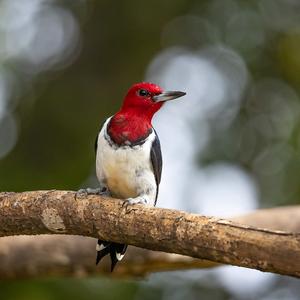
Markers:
(126, 171)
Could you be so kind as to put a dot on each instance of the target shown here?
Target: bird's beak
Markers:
(169, 95)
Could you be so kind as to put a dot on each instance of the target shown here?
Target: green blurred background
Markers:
(232, 145)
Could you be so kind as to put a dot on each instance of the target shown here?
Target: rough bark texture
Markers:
(62, 255)
(43, 212)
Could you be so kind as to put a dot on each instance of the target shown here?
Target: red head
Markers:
(139, 100)
(142, 101)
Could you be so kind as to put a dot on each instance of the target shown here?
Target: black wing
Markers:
(156, 160)
(96, 143)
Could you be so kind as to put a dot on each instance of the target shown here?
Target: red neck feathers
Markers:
(133, 122)
(130, 125)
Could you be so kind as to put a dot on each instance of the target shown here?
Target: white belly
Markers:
(126, 171)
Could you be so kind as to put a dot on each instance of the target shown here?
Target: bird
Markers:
(128, 155)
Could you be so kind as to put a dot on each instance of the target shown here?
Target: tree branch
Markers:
(62, 255)
(223, 241)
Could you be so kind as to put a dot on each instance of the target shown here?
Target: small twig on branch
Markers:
(283, 218)
(218, 240)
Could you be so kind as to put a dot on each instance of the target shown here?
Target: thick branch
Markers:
(153, 228)
(62, 255)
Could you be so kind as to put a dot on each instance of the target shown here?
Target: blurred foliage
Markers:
(61, 113)
(58, 100)
(68, 289)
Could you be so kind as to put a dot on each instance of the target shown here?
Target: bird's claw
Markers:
(90, 191)
(129, 203)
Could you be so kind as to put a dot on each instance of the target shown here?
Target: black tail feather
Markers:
(113, 259)
(115, 250)
(116, 253)
(102, 253)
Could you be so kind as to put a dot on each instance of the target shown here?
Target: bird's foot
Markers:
(128, 203)
(89, 191)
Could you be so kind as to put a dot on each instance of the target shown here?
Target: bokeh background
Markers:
(232, 145)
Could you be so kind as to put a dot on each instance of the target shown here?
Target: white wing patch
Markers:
(99, 247)
(119, 256)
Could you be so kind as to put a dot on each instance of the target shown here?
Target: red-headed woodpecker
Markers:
(128, 155)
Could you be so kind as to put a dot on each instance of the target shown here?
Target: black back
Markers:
(156, 160)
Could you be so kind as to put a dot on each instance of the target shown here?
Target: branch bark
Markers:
(62, 255)
(44, 212)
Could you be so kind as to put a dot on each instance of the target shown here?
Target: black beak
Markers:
(169, 95)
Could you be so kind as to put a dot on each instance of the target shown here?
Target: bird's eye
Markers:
(143, 93)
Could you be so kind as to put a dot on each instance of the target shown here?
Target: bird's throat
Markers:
(126, 129)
